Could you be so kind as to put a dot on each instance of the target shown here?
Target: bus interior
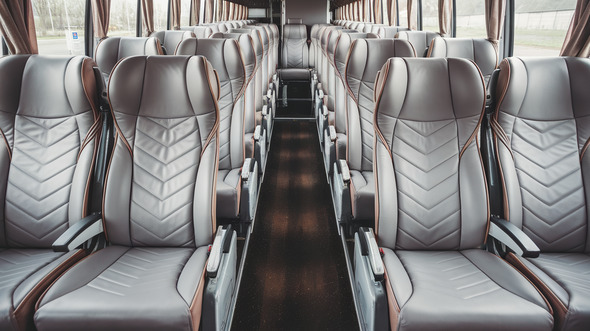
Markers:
(294, 165)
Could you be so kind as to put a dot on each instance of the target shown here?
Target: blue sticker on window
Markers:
(74, 35)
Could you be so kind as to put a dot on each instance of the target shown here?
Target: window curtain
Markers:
(218, 10)
(391, 12)
(367, 10)
(100, 17)
(577, 39)
(147, 15)
(412, 24)
(225, 15)
(175, 14)
(494, 11)
(18, 26)
(445, 15)
(196, 8)
(377, 9)
(246, 10)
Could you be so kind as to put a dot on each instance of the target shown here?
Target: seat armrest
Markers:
(221, 245)
(513, 237)
(257, 133)
(370, 249)
(79, 233)
(265, 110)
(343, 170)
(332, 131)
(247, 168)
(325, 111)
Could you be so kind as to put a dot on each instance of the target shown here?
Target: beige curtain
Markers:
(196, 7)
(391, 12)
(18, 26)
(377, 9)
(412, 23)
(245, 17)
(209, 11)
(147, 15)
(494, 11)
(577, 39)
(175, 14)
(100, 17)
(445, 15)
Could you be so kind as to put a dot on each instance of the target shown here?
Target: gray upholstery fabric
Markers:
(420, 40)
(259, 50)
(481, 51)
(295, 51)
(202, 31)
(170, 39)
(159, 198)
(273, 40)
(432, 205)
(120, 285)
(226, 59)
(48, 124)
(266, 44)
(462, 290)
(425, 147)
(313, 47)
(543, 132)
(365, 59)
(109, 51)
(388, 31)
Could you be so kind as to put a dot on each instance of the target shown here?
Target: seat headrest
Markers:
(479, 50)
(294, 32)
(294, 21)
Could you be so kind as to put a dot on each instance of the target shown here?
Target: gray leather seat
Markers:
(227, 60)
(158, 207)
(479, 50)
(295, 51)
(432, 206)
(202, 31)
(542, 112)
(266, 43)
(313, 47)
(49, 126)
(110, 50)
(420, 40)
(365, 59)
(390, 31)
(170, 39)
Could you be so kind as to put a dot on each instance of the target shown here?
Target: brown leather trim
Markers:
(215, 130)
(106, 182)
(88, 180)
(481, 115)
(196, 307)
(556, 307)
(485, 181)
(394, 309)
(500, 134)
(352, 45)
(117, 128)
(23, 314)
(88, 80)
(584, 149)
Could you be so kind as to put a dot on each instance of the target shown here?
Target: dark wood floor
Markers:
(295, 275)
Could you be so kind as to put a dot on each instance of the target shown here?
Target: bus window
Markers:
(123, 18)
(540, 26)
(160, 15)
(471, 21)
(430, 15)
(59, 26)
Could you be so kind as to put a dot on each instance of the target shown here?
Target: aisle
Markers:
(295, 276)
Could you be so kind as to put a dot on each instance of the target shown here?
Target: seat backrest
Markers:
(391, 31)
(295, 51)
(221, 27)
(294, 21)
(171, 38)
(214, 27)
(365, 59)
(275, 51)
(160, 185)
(203, 32)
(49, 125)
(333, 38)
(429, 178)
(226, 58)
(271, 49)
(324, 37)
(479, 50)
(419, 39)
(249, 57)
(110, 50)
(368, 28)
(340, 56)
(313, 47)
(543, 109)
(259, 49)
(266, 53)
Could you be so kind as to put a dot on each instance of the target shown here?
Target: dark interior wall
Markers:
(311, 11)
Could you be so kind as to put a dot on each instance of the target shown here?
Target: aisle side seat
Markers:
(237, 177)
(158, 216)
(169, 39)
(432, 211)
